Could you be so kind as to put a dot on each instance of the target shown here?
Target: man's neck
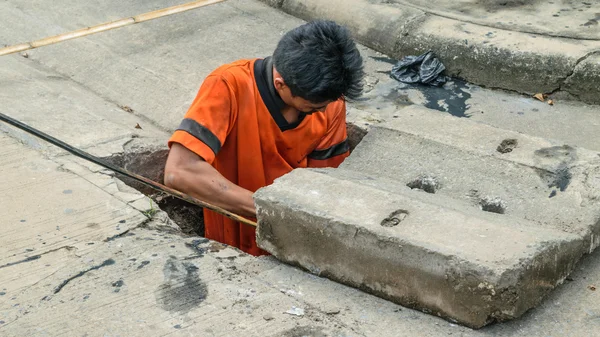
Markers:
(290, 114)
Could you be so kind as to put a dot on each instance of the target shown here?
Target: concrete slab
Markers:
(442, 259)
(417, 144)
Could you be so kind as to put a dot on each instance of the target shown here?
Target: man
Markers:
(253, 121)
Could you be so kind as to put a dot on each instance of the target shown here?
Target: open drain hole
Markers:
(395, 218)
(428, 184)
(151, 164)
(355, 135)
(493, 205)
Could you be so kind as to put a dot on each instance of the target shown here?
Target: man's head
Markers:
(316, 64)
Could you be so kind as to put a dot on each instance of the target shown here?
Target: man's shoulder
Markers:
(336, 108)
(240, 70)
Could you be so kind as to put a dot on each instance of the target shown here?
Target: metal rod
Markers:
(148, 182)
(106, 26)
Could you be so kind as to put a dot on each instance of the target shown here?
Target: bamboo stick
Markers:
(106, 26)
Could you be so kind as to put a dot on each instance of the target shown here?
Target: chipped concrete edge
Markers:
(551, 65)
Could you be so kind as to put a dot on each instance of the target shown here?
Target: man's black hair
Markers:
(319, 62)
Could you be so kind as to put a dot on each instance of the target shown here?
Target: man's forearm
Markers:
(223, 193)
(199, 179)
(215, 189)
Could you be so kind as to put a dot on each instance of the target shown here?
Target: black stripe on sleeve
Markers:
(330, 152)
(201, 133)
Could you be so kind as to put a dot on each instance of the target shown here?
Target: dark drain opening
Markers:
(355, 135)
(151, 164)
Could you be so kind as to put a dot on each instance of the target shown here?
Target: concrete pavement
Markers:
(75, 91)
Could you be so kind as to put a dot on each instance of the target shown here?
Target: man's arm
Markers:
(187, 172)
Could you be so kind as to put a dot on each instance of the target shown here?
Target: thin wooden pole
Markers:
(106, 26)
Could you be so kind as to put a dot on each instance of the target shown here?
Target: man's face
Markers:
(305, 106)
(297, 102)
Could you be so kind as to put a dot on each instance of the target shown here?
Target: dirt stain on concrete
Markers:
(196, 246)
(560, 176)
(108, 262)
(451, 98)
(143, 264)
(183, 289)
(398, 99)
(29, 259)
(118, 284)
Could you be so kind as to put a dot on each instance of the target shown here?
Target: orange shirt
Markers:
(235, 124)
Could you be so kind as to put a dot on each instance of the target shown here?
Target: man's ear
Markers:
(279, 83)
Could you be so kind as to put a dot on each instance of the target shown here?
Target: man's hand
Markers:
(187, 172)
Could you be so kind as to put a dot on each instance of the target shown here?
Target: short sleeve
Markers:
(333, 147)
(209, 119)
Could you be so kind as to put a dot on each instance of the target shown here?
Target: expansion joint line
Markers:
(106, 26)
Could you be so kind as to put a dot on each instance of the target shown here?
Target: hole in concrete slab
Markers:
(151, 164)
(507, 145)
(493, 205)
(428, 184)
(395, 218)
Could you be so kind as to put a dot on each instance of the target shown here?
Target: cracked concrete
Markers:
(575, 92)
(581, 83)
(561, 19)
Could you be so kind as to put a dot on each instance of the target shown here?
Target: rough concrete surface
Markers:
(548, 185)
(567, 19)
(93, 91)
(389, 101)
(478, 48)
(447, 261)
